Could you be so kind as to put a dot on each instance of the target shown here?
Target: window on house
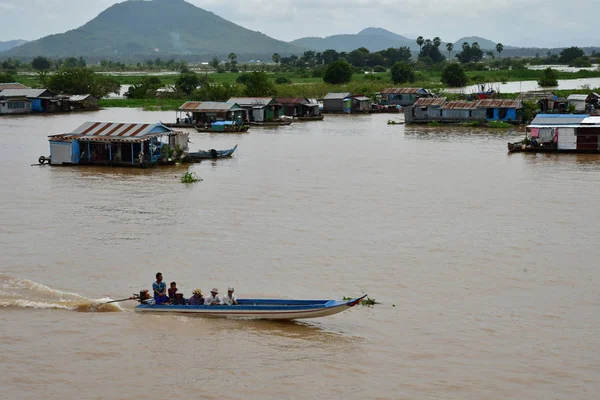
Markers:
(14, 105)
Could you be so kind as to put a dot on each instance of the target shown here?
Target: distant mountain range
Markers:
(11, 44)
(376, 39)
(157, 28)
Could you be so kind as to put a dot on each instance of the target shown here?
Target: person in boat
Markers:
(172, 292)
(160, 290)
(214, 299)
(197, 299)
(230, 299)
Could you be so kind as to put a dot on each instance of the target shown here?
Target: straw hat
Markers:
(215, 290)
(230, 289)
(198, 292)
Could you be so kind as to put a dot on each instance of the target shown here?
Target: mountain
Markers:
(484, 44)
(11, 44)
(136, 29)
(374, 39)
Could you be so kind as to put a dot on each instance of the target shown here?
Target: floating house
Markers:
(501, 110)
(337, 103)
(22, 101)
(300, 107)
(424, 110)
(119, 144)
(361, 104)
(200, 113)
(260, 109)
(566, 135)
(578, 102)
(439, 110)
(402, 96)
(81, 102)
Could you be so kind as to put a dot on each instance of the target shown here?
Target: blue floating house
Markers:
(501, 110)
(113, 143)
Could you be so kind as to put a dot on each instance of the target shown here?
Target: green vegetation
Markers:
(470, 124)
(146, 104)
(499, 125)
(190, 177)
(338, 72)
(435, 124)
(259, 85)
(369, 302)
(549, 78)
(454, 76)
(81, 81)
(402, 73)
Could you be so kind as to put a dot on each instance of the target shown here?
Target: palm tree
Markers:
(437, 41)
(232, 57)
(499, 48)
(449, 47)
(420, 42)
(475, 45)
(276, 58)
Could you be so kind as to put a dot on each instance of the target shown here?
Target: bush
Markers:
(283, 80)
(379, 68)
(454, 76)
(549, 78)
(402, 73)
(338, 72)
(317, 72)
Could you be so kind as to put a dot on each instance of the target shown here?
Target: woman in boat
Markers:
(197, 299)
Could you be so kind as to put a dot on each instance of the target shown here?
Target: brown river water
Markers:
(485, 265)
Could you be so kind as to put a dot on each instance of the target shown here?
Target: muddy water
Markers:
(485, 265)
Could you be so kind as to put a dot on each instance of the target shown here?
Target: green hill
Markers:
(11, 44)
(484, 44)
(374, 39)
(156, 28)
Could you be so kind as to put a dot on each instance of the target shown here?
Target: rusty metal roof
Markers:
(209, 106)
(115, 132)
(499, 103)
(430, 101)
(252, 101)
(404, 91)
(292, 100)
(459, 105)
(12, 85)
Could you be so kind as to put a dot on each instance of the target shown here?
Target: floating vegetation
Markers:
(435, 124)
(392, 122)
(499, 125)
(471, 124)
(190, 177)
(369, 302)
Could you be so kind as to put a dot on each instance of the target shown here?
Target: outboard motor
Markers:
(213, 153)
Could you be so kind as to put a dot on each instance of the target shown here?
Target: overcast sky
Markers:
(540, 23)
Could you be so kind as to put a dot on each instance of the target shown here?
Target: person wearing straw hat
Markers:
(197, 299)
(230, 299)
(214, 299)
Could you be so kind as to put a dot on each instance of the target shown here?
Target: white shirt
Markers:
(210, 299)
(229, 301)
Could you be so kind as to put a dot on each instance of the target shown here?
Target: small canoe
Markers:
(275, 309)
(223, 128)
(272, 123)
(212, 154)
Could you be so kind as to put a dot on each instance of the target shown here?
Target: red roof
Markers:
(499, 103)
(459, 105)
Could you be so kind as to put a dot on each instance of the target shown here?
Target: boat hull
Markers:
(211, 155)
(265, 309)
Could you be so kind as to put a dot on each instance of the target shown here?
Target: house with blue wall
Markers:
(501, 109)
(34, 100)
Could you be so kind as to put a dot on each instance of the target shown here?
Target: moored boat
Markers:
(273, 309)
(212, 154)
(279, 122)
(222, 127)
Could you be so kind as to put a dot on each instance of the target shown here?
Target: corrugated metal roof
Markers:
(251, 101)
(404, 91)
(79, 97)
(209, 106)
(337, 96)
(459, 105)
(578, 97)
(292, 100)
(430, 101)
(498, 103)
(115, 129)
(363, 98)
(591, 121)
(32, 93)
(558, 119)
(12, 85)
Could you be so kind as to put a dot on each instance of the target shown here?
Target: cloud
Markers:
(516, 22)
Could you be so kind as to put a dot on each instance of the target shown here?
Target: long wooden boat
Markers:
(226, 129)
(212, 154)
(273, 309)
(271, 123)
(310, 118)
(178, 125)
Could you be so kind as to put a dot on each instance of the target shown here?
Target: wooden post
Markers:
(132, 157)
